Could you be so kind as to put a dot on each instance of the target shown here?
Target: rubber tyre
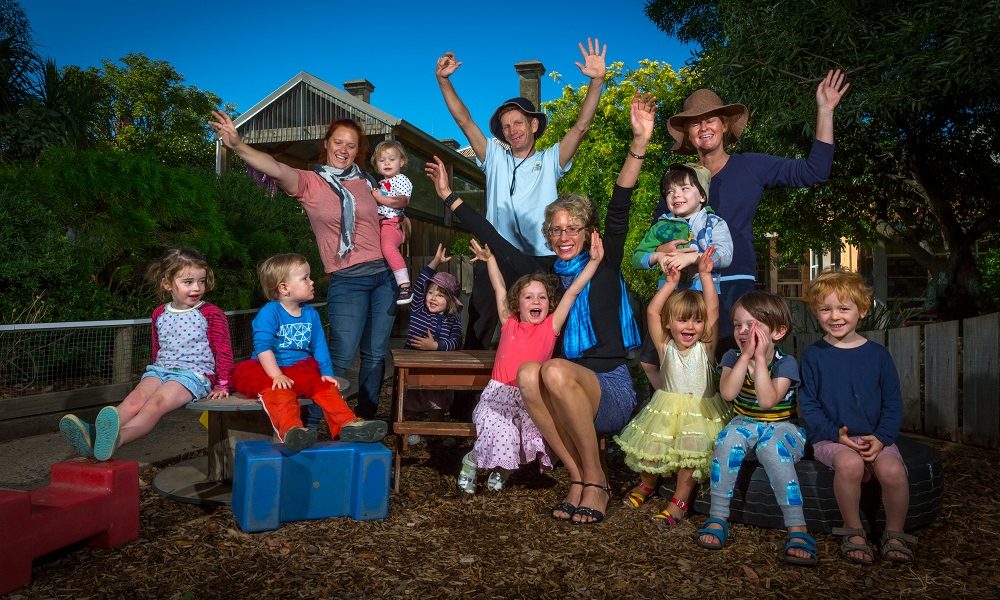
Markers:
(753, 500)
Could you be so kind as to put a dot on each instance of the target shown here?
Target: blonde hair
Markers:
(275, 270)
(173, 262)
(770, 309)
(686, 304)
(389, 145)
(580, 208)
(846, 284)
(549, 282)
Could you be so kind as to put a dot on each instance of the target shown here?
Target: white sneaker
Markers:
(467, 476)
(497, 480)
(414, 439)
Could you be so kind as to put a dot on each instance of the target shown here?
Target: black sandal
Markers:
(566, 507)
(593, 513)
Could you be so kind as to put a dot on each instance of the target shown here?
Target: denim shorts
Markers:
(196, 383)
(617, 400)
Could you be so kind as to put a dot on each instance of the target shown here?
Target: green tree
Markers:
(603, 150)
(19, 60)
(917, 142)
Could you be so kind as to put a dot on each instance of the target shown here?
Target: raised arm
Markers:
(593, 67)
(828, 95)
(641, 114)
(286, 177)
(483, 253)
(655, 325)
(561, 312)
(705, 264)
(446, 65)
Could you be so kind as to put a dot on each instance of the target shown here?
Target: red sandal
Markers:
(668, 520)
(639, 494)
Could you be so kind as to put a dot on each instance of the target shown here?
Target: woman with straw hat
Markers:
(704, 127)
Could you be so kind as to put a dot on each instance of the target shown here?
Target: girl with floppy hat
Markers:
(705, 127)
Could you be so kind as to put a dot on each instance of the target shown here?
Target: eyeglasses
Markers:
(555, 232)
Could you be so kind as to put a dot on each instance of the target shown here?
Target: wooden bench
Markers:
(208, 480)
(457, 370)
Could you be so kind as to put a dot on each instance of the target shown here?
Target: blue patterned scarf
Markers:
(348, 204)
(578, 334)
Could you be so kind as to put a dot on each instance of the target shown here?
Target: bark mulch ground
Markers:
(440, 543)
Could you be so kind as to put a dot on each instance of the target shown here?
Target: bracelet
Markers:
(636, 156)
(449, 199)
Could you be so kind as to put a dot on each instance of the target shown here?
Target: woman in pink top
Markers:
(337, 198)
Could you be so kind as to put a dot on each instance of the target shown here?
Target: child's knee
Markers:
(528, 375)
(891, 472)
(848, 464)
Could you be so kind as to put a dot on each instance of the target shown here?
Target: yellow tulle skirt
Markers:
(674, 431)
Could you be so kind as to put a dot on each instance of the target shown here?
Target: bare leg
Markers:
(137, 398)
(537, 402)
(169, 396)
(848, 470)
(892, 476)
(685, 485)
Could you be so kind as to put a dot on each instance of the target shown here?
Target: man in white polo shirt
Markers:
(520, 180)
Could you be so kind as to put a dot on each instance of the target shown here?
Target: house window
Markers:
(471, 192)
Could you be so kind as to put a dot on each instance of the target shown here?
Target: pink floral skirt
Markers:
(506, 436)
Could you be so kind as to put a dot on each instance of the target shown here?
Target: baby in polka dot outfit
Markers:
(532, 317)
(393, 195)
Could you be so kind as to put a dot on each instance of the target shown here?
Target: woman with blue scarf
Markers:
(572, 399)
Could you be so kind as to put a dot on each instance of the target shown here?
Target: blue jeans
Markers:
(361, 311)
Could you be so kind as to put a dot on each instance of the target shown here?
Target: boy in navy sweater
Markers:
(852, 407)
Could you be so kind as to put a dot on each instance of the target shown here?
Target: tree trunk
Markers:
(958, 298)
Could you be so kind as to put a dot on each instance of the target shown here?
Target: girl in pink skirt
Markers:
(532, 317)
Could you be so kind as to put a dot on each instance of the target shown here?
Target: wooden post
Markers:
(904, 345)
(121, 369)
(941, 380)
(981, 381)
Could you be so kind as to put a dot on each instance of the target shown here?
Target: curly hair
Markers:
(686, 304)
(161, 273)
(550, 282)
(846, 284)
(580, 208)
(388, 145)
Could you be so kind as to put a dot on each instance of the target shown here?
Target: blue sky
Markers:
(243, 51)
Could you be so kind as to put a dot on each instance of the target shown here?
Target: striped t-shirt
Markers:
(745, 402)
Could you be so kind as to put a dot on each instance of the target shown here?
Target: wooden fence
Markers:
(949, 375)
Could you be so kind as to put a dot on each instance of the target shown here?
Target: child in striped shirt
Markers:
(761, 382)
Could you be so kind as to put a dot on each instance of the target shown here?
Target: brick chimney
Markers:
(361, 89)
(530, 72)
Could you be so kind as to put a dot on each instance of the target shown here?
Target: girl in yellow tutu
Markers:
(676, 430)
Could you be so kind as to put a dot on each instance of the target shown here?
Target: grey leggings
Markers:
(776, 446)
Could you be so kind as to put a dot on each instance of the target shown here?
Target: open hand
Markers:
(642, 115)
(707, 261)
(225, 129)
(281, 382)
(425, 343)
(446, 65)
(479, 252)
(593, 61)
(831, 90)
(331, 379)
(441, 256)
(439, 176)
(219, 393)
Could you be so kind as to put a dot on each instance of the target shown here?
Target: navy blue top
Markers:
(857, 387)
(736, 191)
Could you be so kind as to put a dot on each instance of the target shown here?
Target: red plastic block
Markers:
(85, 500)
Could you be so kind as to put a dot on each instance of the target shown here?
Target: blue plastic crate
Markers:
(272, 485)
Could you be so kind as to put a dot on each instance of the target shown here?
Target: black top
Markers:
(605, 287)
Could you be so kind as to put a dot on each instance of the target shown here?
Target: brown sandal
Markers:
(847, 546)
(901, 547)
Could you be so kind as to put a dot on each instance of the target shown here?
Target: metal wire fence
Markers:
(38, 358)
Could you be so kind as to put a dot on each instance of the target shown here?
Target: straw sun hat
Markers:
(699, 104)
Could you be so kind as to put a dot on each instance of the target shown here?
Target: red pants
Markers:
(282, 406)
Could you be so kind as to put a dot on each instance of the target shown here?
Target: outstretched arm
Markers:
(446, 65)
(705, 264)
(483, 253)
(641, 113)
(828, 95)
(657, 329)
(561, 312)
(593, 67)
(286, 177)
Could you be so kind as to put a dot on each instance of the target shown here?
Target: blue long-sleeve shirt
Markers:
(857, 387)
(445, 329)
(291, 339)
(736, 191)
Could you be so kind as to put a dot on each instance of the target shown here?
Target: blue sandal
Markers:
(802, 541)
(718, 534)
